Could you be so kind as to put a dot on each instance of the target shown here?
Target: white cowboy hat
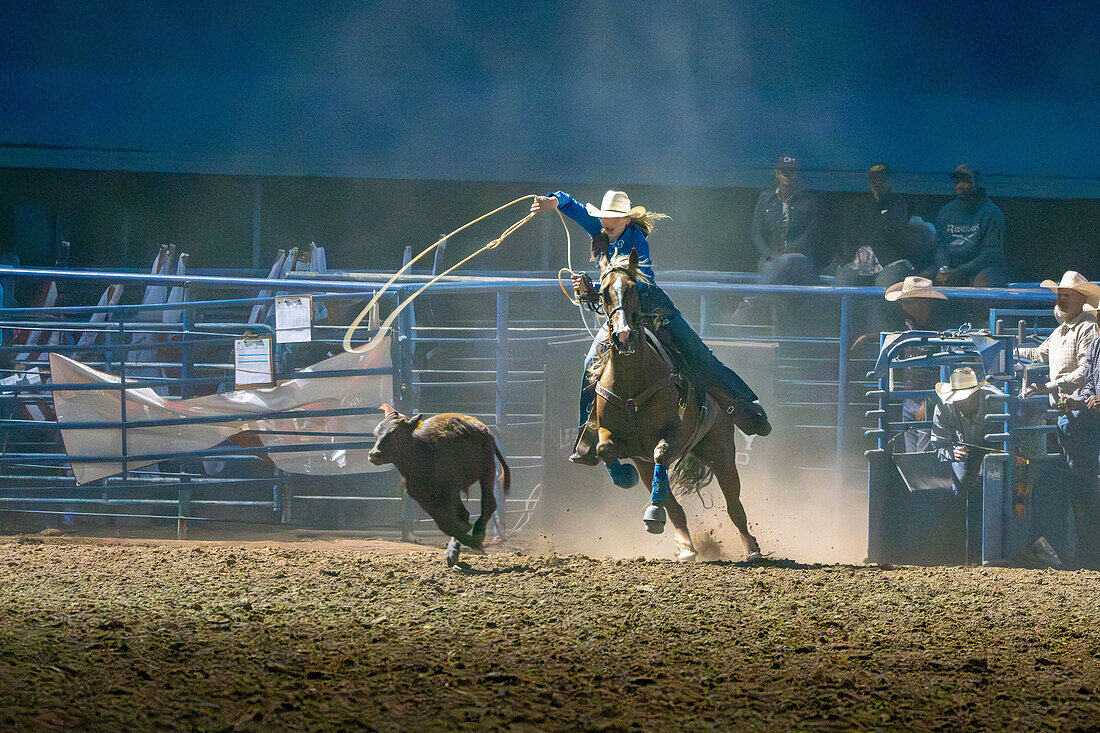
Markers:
(963, 383)
(913, 287)
(1075, 281)
(615, 204)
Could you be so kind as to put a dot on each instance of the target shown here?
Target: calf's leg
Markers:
(488, 503)
(453, 549)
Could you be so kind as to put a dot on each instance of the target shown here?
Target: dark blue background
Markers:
(660, 93)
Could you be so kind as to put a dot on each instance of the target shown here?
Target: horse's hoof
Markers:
(686, 555)
(654, 519)
(755, 557)
(452, 558)
(623, 475)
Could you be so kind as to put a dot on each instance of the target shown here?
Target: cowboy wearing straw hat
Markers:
(1079, 436)
(916, 296)
(959, 427)
(1066, 348)
(1072, 350)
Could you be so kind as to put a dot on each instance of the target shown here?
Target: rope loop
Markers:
(388, 323)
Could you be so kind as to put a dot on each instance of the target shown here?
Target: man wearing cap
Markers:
(1079, 436)
(970, 232)
(785, 228)
(1067, 347)
(917, 297)
(959, 427)
(876, 236)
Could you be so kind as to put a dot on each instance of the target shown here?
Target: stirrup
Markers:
(584, 455)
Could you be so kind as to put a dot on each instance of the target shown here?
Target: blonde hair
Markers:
(645, 219)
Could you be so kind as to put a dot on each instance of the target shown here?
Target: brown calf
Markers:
(438, 458)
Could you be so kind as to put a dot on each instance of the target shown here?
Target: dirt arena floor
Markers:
(341, 634)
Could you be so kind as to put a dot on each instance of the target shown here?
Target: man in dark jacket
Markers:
(970, 232)
(785, 229)
(876, 243)
(960, 423)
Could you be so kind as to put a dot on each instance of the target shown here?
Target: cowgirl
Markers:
(625, 228)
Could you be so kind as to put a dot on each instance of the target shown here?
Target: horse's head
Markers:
(620, 301)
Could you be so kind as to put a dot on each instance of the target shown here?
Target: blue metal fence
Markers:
(471, 343)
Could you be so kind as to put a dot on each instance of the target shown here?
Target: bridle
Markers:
(609, 316)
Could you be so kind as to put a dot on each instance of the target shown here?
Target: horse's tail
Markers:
(690, 475)
(506, 477)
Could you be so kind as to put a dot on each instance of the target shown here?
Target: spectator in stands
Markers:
(785, 233)
(874, 246)
(917, 298)
(1079, 435)
(970, 233)
(876, 238)
(785, 229)
(1067, 347)
(959, 427)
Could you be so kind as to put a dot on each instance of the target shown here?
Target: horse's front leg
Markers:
(655, 515)
(605, 448)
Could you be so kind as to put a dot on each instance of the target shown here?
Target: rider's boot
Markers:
(748, 416)
(584, 450)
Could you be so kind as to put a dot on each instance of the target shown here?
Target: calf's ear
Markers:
(387, 409)
(415, 420)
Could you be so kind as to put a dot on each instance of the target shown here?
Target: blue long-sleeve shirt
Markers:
(632, 238)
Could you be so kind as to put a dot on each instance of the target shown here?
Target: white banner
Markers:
(301, 393)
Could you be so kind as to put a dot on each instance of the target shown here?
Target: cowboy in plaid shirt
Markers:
(1067, 347)
(1079, 435)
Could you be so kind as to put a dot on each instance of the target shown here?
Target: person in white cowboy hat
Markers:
(1079, 436)
(959, 427)
(1066, 348)
(617, 227)
(916, 296)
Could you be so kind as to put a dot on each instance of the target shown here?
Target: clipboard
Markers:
(293, 319)
(253, 362)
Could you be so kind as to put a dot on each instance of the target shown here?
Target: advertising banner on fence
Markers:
(243, 410)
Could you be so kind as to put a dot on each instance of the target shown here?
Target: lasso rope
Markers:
(385, 327)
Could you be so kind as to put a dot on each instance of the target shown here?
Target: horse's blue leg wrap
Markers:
(623, 475)
(660, 485)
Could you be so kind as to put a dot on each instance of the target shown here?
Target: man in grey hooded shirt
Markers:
(970, 231)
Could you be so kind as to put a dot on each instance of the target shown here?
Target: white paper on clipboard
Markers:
(293, 318)
(252, 362)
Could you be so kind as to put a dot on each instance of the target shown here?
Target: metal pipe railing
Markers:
(197, 329)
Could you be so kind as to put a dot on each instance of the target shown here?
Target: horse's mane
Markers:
(621, 263)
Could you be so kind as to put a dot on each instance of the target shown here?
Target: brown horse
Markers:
(639, 414)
